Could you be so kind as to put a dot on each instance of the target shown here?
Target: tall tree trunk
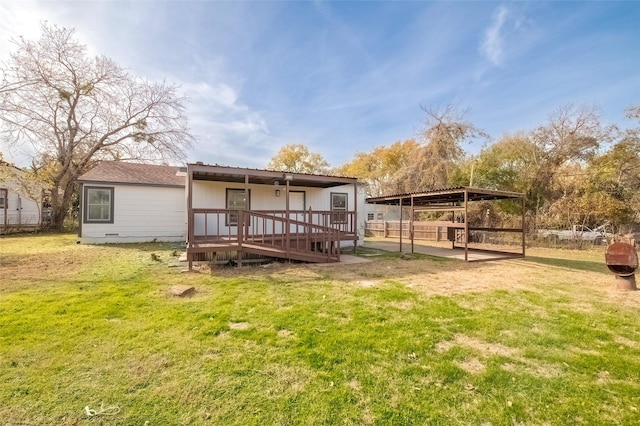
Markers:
(60, 203)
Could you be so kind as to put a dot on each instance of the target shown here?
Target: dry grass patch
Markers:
(472, 366)
(239, 325)
(487, 349)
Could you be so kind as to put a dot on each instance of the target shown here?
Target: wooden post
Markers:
(354, 224)
(190, 216)
(240, 232)
(287, 222)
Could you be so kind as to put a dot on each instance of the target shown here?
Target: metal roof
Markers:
(444, 196)
(264, 177)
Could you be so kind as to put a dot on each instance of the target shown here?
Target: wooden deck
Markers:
(274, 234)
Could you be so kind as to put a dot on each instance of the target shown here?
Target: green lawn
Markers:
(395, 341)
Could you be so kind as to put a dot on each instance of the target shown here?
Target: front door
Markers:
(296, 200)
(297, 207)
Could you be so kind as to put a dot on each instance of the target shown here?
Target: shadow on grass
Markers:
(582, 265)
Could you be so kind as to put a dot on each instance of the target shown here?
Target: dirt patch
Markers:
(354, 384)
(285, 334)
(486, 349)
(472, 365)
(238, 325)
(405, 305)
(533, 369)
(519, 363)
(626, 342)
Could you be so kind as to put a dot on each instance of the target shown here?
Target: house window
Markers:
(380, 216)
(369, 216)
(3, 198)
(236, 200)
(98, 204)
(338, 207)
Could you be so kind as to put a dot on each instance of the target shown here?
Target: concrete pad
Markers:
(345, 259)
(394, 246)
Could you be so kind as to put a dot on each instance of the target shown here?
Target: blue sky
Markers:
(345, 77)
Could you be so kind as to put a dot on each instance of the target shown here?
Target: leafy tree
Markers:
(572, 135)
(544, 163)
(505, 165)
(616, 175)
(75, 110)
(384, 167)
(296, 158)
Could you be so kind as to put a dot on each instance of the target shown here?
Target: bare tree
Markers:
(445, 129)
(75, 110)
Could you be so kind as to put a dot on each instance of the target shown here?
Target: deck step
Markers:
(293, 255)
(265, 251)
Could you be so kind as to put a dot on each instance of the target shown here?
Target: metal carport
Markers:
(455, 200)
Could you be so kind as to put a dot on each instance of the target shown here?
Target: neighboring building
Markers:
(20, 201)
(222, 209)
(376, 212)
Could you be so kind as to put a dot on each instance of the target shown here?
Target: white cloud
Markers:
(493, 42)
(19, 19)
(226, 130)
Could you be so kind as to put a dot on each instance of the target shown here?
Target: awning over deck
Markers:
(264, 177)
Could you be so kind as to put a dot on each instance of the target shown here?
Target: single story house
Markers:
(219, 209)
(20, 201)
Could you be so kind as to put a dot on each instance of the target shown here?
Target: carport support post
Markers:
(523, 221)
(411, 224)
(466, 225)
(400, 224)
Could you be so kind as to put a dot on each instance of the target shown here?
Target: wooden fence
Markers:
(431, 231)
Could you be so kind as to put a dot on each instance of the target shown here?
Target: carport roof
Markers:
(444, 196)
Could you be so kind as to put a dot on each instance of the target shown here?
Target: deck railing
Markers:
(269, 229)
(343, 221)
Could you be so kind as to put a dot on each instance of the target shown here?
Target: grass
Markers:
(541, 340)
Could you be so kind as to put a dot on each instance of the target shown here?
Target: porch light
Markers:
(277, 192)
(277, 185)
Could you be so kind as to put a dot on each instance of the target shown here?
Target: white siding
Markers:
(20, 210)
(141, 213)
(212, 195)
(387, 212)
